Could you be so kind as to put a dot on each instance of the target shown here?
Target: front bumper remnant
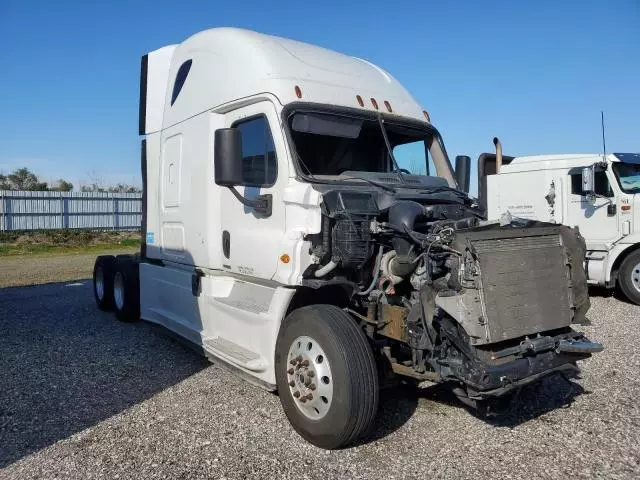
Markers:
(579, 346)
(566, 369)
(493, 378)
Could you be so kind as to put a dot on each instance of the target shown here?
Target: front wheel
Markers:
(326, 376)
(629, 277)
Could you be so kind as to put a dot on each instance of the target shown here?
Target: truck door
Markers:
(250, 240)
(597, 222)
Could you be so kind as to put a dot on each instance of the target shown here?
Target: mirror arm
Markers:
(611, 205)
(598, 195)
(261, 204)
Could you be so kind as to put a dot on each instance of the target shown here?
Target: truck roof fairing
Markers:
(229, 64)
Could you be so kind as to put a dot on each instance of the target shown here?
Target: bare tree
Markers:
(124, 188)
(92, 187)
(417, 167)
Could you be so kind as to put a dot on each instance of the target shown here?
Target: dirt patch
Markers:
(20, 270)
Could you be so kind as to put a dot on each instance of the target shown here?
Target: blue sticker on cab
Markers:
(149, 238)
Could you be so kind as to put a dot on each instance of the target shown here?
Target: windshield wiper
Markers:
(459, 193)
(389, 149)
(446, 189)
(381, 185)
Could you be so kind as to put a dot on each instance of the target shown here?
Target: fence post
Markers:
(115, 212)
(7, 213)
(65, 209)
(4, 211)
(61, 211)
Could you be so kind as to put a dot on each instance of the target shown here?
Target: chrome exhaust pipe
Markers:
(496, 142)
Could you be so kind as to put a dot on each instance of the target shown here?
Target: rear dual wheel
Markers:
(103, 272)
(326, 376)
(116, 286)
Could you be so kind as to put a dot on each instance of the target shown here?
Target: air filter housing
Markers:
(351, 241)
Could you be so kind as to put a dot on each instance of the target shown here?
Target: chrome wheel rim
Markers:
(118, 290)
(635, 277)
(309, 377)
(99, 283)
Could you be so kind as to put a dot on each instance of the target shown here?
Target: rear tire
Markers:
(340, 375)
(126, 289)
(103, 271)
(629, 277)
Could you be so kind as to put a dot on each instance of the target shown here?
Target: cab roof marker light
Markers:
(426, 116)
(298, 91)
(360, 101)
(388, 105)
(374, 103)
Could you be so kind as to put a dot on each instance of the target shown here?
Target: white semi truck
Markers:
(599, 194)
(283, 238)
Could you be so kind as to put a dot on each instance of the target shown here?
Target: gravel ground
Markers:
(83, 396)
(36, 269)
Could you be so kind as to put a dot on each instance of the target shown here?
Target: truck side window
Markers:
(601, 184)
(181, 77)
(259, 162)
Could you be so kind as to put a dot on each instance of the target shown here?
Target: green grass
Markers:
(66, 242)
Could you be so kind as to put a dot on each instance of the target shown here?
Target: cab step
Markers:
(234, 353)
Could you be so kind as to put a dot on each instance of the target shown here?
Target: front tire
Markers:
(629, 277)
(326, 376)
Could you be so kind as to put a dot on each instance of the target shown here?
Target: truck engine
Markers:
(447, 297)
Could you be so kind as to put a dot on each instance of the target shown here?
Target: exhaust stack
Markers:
(496, 142)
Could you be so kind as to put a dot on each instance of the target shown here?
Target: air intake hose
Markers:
(403, 215)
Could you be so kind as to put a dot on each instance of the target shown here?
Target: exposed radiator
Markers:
(525, 284)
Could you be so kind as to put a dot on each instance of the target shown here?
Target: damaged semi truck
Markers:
(284, 237)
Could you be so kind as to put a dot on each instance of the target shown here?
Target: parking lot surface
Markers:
(84, 396)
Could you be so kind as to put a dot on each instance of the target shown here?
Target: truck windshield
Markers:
(330, 144)
(628, 175)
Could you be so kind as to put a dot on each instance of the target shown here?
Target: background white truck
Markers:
(599, 194)
(282, 238)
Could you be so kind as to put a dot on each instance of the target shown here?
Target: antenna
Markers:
(604, 143)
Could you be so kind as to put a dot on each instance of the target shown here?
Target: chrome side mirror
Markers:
(588, 174)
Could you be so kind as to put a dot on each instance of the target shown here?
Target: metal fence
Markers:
(21, 210)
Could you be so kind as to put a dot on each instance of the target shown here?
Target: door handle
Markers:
(196, 283)
(226, 243)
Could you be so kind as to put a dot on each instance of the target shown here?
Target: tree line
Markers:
(24, 179)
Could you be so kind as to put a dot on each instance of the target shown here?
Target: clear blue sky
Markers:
(534, 73)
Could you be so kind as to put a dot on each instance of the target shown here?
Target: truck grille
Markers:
(525, 283)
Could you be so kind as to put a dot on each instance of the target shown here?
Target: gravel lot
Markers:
(83, 396)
